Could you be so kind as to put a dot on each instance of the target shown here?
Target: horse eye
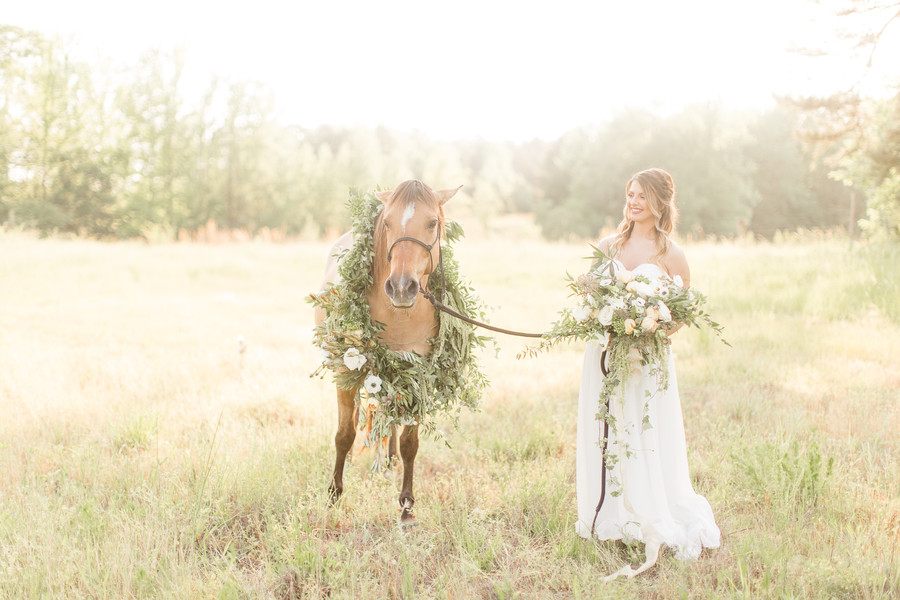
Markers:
(433, 224)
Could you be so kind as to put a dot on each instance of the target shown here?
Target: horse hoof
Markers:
(334, 495)
(408, 520)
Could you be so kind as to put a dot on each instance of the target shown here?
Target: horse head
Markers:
(408, 237)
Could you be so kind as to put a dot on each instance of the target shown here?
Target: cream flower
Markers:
(649, 325)
(630, 324)
(653, 313)
(371, 402)
(353, 359)
(624, 276)
(678, 281)
(373, 384)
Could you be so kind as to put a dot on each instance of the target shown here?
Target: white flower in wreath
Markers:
(617, 303)
(639, 303)
(372, 384)
(665, 315)
(353, 359)
(606, 281)
(371, 402)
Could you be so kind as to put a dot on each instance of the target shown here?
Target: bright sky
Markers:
(472, 68)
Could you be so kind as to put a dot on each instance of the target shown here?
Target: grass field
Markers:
(143, 455)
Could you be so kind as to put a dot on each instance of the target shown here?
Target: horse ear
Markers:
(444, 195)
(384, 195)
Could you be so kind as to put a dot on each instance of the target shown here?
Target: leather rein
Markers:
(438, 303)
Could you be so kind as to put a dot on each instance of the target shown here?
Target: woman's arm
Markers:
(676, 264)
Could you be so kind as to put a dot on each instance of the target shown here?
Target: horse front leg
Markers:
(343, 439)
(409, 447)
(392, 450)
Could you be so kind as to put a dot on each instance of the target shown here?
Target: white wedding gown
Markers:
(657, 504)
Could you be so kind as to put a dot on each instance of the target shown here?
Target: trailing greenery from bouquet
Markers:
(630, 316)
(398, 388)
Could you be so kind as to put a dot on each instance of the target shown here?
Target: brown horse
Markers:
(407, 235)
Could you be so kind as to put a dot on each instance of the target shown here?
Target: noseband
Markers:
(436, 242)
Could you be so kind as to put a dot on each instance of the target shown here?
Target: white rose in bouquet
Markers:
(606, 315)
(665, 315)
(580, 313)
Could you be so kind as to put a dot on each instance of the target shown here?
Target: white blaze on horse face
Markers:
(408, 214)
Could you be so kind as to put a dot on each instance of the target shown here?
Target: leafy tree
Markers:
(70, 181)
(875, 166)
(19, 51)
(157, 142)
(859, 132)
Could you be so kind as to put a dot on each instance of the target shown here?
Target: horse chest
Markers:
(406, 330)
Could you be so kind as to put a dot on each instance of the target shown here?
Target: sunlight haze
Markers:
(496, 70)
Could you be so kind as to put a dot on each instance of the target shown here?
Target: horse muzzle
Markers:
(401, 290)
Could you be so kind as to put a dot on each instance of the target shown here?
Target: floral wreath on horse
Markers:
(397, 387)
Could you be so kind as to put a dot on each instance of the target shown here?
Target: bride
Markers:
(645, 494)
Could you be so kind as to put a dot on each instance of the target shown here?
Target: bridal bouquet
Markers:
(629, 315)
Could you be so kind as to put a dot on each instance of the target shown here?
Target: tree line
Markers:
(117, 153)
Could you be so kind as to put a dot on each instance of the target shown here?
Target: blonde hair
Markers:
(659, 191)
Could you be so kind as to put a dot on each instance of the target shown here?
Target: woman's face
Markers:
(636, 205)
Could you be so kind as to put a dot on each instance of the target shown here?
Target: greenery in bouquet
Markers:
(398, 388)
(629, 315)
(623, 310)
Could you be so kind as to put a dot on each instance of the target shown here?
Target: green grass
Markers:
(143, 455)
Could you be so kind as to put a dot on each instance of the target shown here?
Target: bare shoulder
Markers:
(606, 242)
(675, 262)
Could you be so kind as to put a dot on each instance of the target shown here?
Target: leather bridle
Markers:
(438, 302)
(406, 238)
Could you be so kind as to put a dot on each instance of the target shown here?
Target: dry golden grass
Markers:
(142, 454)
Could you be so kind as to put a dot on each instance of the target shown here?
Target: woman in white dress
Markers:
(652, 500)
